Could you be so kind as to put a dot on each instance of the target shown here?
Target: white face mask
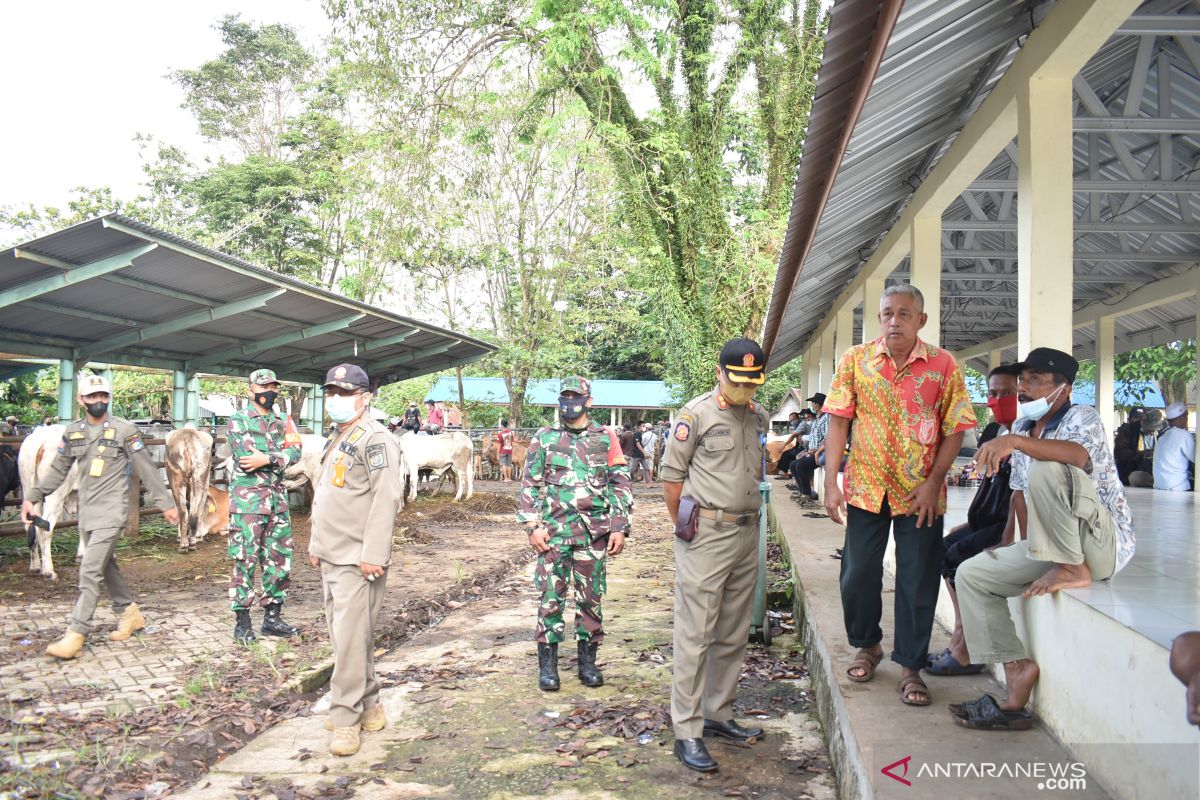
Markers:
(342, 408)
(1036, 409)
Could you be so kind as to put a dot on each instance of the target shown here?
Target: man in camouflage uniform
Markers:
(260, 527)
(575, 505)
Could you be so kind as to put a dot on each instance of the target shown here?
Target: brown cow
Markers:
(774, 451)
(491, 453)
(189, 465)
(216, 512)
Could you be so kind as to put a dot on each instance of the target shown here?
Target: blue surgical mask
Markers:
(341, 408)
(1036, 409)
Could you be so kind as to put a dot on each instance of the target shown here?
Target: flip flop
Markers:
(931, 657)
(911, 685)
(985, 714)
(865, 661)
(945, 665)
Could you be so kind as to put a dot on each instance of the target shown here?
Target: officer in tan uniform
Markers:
(358, 493)
(105, 447)
(715, 456)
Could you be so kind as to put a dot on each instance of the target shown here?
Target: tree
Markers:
(1173, 365)
(684, 166)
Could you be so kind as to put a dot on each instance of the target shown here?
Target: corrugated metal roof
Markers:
(544, 392)
(942, 60)
(182, 282)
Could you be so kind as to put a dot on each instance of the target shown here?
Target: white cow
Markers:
(34, 460)
(451, 451)
(305, 470)
(189, 454)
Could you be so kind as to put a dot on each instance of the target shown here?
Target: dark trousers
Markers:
(786, 458)
(803, 469)
(919, 555)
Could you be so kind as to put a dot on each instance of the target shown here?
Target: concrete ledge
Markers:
(867, 726)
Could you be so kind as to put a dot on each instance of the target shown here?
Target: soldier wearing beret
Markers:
(359, 491)
(715, 456)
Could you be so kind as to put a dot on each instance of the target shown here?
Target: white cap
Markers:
(1175, 411)
(90, 384)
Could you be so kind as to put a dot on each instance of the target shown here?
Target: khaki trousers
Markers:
(99, 566)
(352, 605)
(714, 588)
(1067, 525)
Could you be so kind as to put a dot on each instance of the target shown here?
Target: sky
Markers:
(81, 78)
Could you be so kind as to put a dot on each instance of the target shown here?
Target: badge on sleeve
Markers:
(134, 443)
(376, 456)
(682, 431)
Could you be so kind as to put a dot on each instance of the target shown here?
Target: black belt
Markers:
(720, 515)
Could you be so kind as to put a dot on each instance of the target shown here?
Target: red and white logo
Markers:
(748, 360)
(901, 763)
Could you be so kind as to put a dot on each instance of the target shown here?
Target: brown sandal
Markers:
(913, 685)
(867, 662)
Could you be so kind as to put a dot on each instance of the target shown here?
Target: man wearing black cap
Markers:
(1077, 525)
(715, 459)
(357, 495)
(805, 465)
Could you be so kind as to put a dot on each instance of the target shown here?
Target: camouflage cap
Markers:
(576, 383)
(263, 377)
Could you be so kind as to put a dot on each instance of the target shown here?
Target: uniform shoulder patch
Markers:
(683, 431)
(377, 456)
(134, 442)
(356, 434)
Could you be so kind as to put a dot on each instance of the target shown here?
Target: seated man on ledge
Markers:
(1076, 522)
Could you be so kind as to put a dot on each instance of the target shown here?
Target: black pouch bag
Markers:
(687, 518)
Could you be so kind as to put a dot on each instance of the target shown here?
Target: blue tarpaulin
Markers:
(605, 393)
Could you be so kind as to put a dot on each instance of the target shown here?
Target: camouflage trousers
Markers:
(259, 542)
(583, 567)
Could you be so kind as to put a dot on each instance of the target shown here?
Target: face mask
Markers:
(738, 394)
(1004, 409)
(1036, 409)
(266, 399)
(97, 409)
(341, 408)
(572, 408)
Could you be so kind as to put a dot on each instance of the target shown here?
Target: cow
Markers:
(216, 512)
(447, 451)
(491, 453)
(189, 454)
(33, 461)
(10, 474)
(775, 442)
(305, 470)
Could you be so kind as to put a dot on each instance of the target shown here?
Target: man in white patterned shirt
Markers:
(1078, 528)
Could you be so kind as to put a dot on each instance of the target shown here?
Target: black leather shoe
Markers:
(548, 667)
(589, 673)
(694, 755)
(243, 629)
(274, 625)
(731, 730)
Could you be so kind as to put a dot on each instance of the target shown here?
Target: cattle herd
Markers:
(194, 459)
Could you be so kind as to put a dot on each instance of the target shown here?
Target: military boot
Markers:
(548, 667)
(243, 631)
(68, 647)
(589, 674)
(131, 620)
(273, 624)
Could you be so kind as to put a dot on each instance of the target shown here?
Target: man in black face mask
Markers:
(104, 448)
(575, 505)
(260, 525)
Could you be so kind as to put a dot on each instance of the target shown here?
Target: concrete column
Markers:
(812, 370)
(1045, 220)
(844, 332)
(179, 399)
(67, 390)
(926, 257)
(828, 359)
(872, 292)
(995, 358)
(612, 418)
(192, 405)
(1106, 346)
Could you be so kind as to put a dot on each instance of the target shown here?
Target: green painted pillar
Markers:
(179, 399)
(193, 400)
(67, 390)
(318, 409)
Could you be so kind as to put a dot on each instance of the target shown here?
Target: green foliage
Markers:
(1173, 365)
